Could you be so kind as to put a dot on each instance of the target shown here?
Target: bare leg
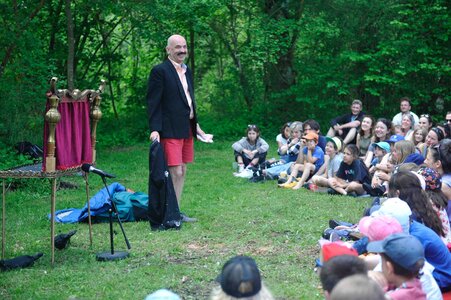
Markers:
(340, 190)
(178, 174)
(306, 170)
(350, 136)
(333, 183)
(294, 173)
(331, 132)
(320, 180)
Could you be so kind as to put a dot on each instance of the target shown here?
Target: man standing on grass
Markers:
(172, 112)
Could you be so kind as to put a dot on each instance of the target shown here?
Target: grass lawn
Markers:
(278, 227)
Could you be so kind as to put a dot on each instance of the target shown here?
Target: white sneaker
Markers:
(246, 173)
(240, 168)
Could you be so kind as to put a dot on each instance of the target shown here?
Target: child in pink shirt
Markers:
(402, 259)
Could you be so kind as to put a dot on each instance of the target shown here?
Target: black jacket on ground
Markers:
(164, 210)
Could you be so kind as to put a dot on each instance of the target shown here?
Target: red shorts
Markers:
(178, 151)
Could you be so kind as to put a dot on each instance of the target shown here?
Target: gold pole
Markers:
(51, 117)
(52, 219)
(96, 115)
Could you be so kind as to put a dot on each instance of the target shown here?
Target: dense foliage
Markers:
(264, 62)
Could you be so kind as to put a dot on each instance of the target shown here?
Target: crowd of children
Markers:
(404, 163)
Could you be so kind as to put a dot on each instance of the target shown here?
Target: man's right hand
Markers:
(154, 135)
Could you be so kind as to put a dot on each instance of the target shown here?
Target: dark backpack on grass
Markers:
(27, 148)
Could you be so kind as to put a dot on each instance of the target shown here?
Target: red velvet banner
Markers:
(72, 135)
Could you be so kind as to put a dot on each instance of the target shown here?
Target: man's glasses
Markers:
(448, 120)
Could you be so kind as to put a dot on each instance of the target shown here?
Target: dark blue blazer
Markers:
(168, 107)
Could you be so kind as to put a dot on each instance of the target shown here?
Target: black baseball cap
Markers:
(240, 277)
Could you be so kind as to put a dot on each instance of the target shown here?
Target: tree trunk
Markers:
(71, 46)
(53, 18)
(281, 75)
(107, 55)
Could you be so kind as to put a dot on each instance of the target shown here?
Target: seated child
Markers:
(402, 259)
(433, 185)
(382, 170)
(380, 150)
(332, 161)
(311, 125)
(309, 161)
(351, 174)
(340, 267)
(357, 287)
(397, 130)
(240, 279)
(382, 155)
(251, 150)
(378, 228)
(291, 149)
(288, 152)
(282, 139)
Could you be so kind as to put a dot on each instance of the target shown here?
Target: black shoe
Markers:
(378, 191)
(374, 192)
(257, 176)
(173, 224)
(367, 187)
(335, 223)
(257, 179)
(282, 180)
(331, 191)
(326, 233)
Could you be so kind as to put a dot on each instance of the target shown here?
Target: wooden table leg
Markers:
(52, 219)
(3, 218)
(89, 209)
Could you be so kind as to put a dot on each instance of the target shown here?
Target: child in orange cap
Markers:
(310, 159)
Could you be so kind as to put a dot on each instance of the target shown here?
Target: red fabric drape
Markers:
(72, 135)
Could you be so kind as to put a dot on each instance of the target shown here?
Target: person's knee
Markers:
(331, 132)
(237, 156)
(310, 167)
(315, 179)
(352, 186)
(178, 171)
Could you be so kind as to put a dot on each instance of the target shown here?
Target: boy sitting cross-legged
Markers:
(310, 159)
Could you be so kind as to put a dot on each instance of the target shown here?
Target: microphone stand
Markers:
(112, 255)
